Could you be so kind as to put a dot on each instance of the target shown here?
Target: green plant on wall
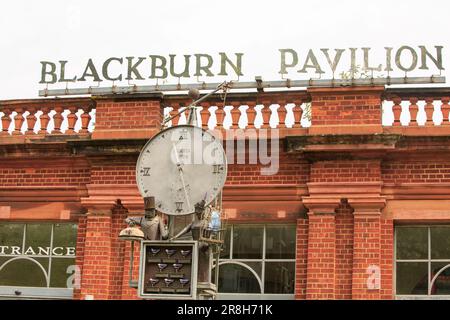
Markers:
(355, 72)
(307, 111)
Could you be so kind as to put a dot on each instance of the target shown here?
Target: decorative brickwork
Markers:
(345, 171)
(44, 176)
(415, 172)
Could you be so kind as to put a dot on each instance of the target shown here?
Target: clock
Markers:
(180, 167)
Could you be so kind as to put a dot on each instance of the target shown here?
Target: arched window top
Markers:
(236, 277)
(23, 271)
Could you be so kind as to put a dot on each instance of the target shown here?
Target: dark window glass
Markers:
(248, 242)
(24, 272)
(256, 266)
(225, 252)
(11, 235)
(279, 277)
(280, 242)
(412, 243)
(60, 272)
(440, 242)
(412, 278)
(38, 235)
(234, 278)
(64, 235)
(441, 285)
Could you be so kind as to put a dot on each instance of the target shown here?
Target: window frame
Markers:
(263, 260)
(8, 292)
(428, 260)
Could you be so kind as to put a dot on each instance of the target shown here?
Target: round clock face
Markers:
(180, 167)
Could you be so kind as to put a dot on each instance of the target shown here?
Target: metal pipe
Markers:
(192, 117)
(288, 83)
(130, 280)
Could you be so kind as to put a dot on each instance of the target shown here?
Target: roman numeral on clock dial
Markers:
(179, 205)
(145, 171)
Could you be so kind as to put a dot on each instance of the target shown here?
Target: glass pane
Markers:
(60, 273)
(37, 235)
(255, 266)
(225, 252)
(440, 242)
(412, 278)
(24, 273)
(442, 283)
(64, 235)
(234, 278)
(247, 242)
(11, 235)
(412, 243)
(280, 242)
(279, 277)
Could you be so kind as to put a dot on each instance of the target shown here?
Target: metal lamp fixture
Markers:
(131, 233)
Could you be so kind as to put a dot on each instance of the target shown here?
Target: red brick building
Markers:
(358, 208)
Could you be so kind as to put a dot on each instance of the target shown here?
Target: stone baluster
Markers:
(205, 114)
(429, 109)
(71, 120)
(265, 111)
(220, 115)
(397, 111)
(44, 118)
(6, 121)
(57, 119)
(282, 114)
(235, 115)
(445, 108)
(251, 114)
(413, 110)
(85, 119)
(298, 113)
(18, 120)
(31, 120)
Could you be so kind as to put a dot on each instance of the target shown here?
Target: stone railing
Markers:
(47, 116)
(270, 111)
(428, 108)
(402, 109)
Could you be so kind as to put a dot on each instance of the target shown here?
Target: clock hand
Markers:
(180, 171)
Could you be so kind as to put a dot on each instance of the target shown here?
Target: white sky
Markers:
(32, 31)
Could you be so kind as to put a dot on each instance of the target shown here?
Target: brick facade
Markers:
(342, 196)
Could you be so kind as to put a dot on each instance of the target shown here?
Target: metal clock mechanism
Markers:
(180, 173)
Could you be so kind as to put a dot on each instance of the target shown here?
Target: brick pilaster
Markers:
(119, 118)
(346, 110)
(321, 264)
(97, 252)
(321, 257)
(366, 278)
(301, 261)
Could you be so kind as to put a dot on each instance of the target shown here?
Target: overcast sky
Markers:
(33, 31)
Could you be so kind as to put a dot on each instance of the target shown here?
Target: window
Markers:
(37, 259)
(257, 261)
(422, 261)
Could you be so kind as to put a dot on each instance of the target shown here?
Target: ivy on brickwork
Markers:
(307, 111)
